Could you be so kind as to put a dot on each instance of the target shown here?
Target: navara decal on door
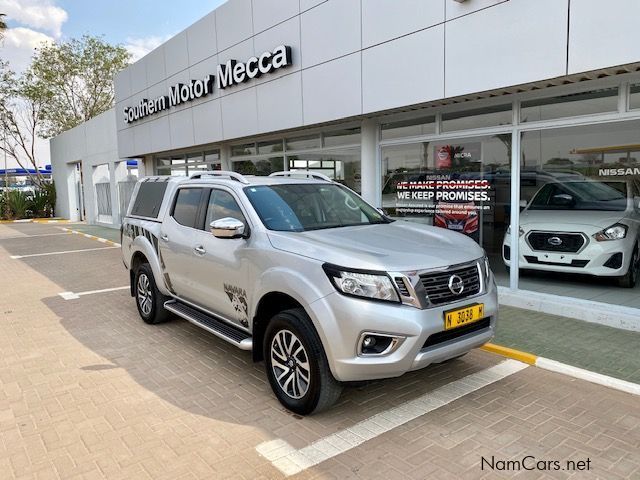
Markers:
(238, 298)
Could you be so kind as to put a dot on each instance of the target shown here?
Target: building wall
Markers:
(92, 143)
(356, 57)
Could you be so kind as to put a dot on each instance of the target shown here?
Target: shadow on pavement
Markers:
(204, 375)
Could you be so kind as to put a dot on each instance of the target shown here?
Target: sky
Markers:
(138, 25)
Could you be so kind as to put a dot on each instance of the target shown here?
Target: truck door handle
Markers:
(200, 250)
(164, 238)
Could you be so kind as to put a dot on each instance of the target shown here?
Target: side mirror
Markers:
(523, 204)
(227, 227)
(382, 211)
(563, 200)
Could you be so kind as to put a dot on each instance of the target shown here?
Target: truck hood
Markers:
(565, 220)
(398, 246)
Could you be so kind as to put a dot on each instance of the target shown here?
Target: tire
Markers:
(290, 340)
(629, 279)
(149, 300)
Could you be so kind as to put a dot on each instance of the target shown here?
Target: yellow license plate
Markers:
(463, 316)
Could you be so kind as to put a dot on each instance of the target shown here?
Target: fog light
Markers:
(615, 261)
(377, 344)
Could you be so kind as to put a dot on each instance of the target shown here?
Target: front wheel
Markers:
(149, 300)
(629, 279)
(296, 364)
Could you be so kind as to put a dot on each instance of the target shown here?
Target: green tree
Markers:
(20, 115)
(75, 78)
(3, 25)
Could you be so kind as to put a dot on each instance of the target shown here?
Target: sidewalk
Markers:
(112, 234)
(601, 349)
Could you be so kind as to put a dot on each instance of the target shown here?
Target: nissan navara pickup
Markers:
(306, 275)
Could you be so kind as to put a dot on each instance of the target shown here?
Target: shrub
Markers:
(4, 213)
(38, 203)
(17, 203)
(50, 191)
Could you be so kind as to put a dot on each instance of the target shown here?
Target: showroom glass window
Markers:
(490, 116)
(341, 165)
(634, 96)
(408, 128)
(580, 201)
(603, 100)
(186, 164)
(462, 185)
(338, 158)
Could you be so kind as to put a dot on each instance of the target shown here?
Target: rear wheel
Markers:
(149, 300)
(296, 364)
(629, 279)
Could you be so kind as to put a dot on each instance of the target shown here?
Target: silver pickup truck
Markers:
(306, 275)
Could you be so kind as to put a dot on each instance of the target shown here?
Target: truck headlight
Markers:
(614, 232)
(362, 283)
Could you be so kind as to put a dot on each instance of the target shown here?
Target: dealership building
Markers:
(516, 122)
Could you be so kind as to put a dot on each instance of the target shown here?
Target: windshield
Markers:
(602, 196)
(313, 206)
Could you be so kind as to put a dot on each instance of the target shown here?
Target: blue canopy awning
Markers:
(23, 171)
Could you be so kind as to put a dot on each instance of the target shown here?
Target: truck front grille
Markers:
(436, 285)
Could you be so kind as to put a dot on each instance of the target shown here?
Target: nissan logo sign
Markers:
(555, 241)
(456, 284)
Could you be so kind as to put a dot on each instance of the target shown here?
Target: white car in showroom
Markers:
(584, 226)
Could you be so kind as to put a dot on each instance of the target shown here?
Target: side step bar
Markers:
(220, 329)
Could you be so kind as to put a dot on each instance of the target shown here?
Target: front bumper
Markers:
(341, 320)
(596, 258)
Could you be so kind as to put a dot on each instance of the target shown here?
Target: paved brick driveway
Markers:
(87, 390)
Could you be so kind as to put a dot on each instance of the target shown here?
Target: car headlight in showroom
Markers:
(614, 232)
(363, 284)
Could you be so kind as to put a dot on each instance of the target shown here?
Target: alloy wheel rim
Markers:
(290, 364)
(145, 297)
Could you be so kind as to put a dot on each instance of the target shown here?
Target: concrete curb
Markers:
(558, 367)
(92, 237)
(616, 316)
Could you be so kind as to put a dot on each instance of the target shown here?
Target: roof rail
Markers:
(303, 173)
(220, 173)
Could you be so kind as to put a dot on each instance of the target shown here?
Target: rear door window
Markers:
(186, 206)
(149, 199)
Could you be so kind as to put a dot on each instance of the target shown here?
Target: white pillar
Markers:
(225, 158)
(115, 171)
(370, 163)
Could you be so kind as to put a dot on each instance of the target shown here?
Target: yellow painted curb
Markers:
(510, 353)
(92, 237)
(50, 220)
(36, 220)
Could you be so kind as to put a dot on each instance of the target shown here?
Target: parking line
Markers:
(291, 461)
(34, 236)
(75, 296)
(60, 253)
